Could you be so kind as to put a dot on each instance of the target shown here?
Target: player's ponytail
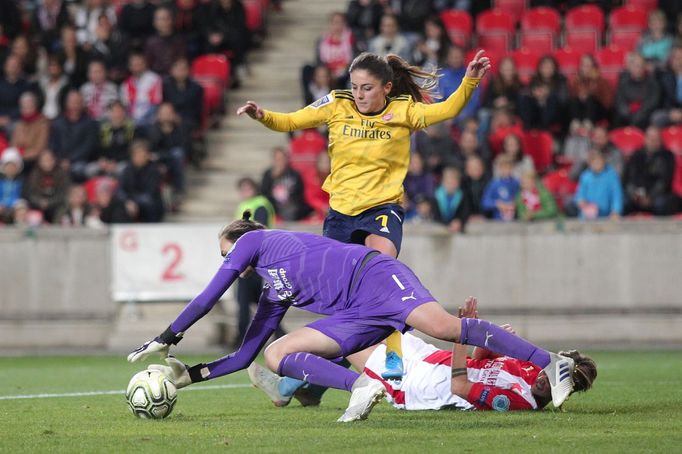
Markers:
(394, 69)
(585, 371)
(236, 229)
(404, 80)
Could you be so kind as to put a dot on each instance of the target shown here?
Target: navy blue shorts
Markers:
(383, 220)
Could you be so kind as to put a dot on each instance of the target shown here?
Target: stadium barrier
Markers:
(588, 284)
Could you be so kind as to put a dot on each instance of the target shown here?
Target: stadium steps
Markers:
(240, 146)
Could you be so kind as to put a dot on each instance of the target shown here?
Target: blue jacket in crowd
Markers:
(499, 190)
(602, 189)
(449, 82)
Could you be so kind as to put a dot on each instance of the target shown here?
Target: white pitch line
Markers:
(122, 391)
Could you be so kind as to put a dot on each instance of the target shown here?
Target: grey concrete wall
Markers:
(582, 284)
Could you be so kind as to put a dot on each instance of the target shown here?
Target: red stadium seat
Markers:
(495, 21)
(459, 26)
(568, 60)
(526, 62)
(540, 42)
(496, 138)
(628, 18)
(539, 145)
(541, 19)
(514, 7)
(646, 5)
(585, 17)
(628, 140)
(625, 39)
(213, 66)
(672, 139)
(254, 14)
(611, 62)
(310, 143)
(677, 176)
(496, 42)
(583, 40)
(560, 185)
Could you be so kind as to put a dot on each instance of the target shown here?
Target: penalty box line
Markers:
(122, 391)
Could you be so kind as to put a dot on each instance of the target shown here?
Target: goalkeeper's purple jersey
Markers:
(306, 270)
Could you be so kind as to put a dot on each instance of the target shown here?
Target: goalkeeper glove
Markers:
(161, 344)
(179, 373)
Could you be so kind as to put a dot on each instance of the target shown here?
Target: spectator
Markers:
(73, 137)
(598, 140)
(364, 19)
(476, 179)
(418, 182)
(169, 143)
(77, 211)
(534, 202)
(432, 48)
(32, 131)
(139, 188)
(468, 146)
(224, 27)
(98, 93)
(87, 17)
(548, 72)
(451, 76)
(656, 42)
(27, 55)
(141, 92)
(504, 88)
(136, 21)
(11, 183)
(283, 186)
(116, 134)
(319, 86)
(670, 112)
(111, 47)
(435, 145)
(54, 86)
(451, 202)
(163, 48)
(12, 86)
(499, 196)
(390, 41)
(521, 162)
(541, 109)
(48, 19)
(10, 19)
(314, 195)
(411, 15)
(638, 94)
(73, 57)
(249, 288)
(185, 94)
(46, 186)
(599, 192)
(187, 25)
(590, 95)
(649, 176)
(336, 49)
(106, 207)
(423, 211)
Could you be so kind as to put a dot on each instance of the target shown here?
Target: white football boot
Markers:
(268, 382)
(365, 394)
(560, 374)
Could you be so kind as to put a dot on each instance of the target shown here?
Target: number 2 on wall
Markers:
(171, 273)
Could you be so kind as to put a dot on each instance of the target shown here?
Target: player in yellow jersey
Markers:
(369, 147)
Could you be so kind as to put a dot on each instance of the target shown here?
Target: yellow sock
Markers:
(394, 344)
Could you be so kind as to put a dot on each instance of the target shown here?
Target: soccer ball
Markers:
(151, 395)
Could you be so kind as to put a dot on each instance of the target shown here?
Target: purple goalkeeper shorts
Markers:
(385, 293)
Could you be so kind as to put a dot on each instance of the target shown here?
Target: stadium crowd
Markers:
(578, 119)
(103, 103)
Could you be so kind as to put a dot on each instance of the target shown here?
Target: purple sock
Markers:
(482, 333)
(317, 370)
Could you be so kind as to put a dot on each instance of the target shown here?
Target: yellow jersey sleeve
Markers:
(309, 117)
(422, 115)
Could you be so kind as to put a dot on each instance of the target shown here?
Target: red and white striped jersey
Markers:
(501, 383)
(141, 94)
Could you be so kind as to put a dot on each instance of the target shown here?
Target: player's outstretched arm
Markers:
(251, 109)
(160, 344)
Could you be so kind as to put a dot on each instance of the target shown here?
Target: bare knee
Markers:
(274, 354)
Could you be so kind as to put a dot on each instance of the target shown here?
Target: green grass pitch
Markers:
(635, 406)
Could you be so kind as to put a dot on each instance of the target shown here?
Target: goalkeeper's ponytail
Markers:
(236, 229)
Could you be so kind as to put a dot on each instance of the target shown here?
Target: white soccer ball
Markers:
(151, 395)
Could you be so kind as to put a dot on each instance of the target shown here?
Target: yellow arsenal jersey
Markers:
(369, 153)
